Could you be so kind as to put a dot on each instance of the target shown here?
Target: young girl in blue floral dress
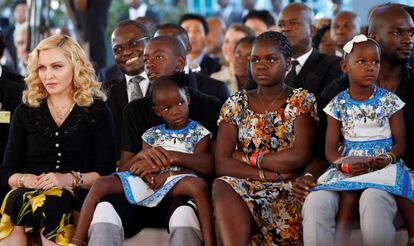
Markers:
(365, 121)
(148, 188)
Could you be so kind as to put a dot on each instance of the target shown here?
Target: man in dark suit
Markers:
(20, 12)
(204, 83)
(112, 71)
(128, 43)
(310, 69)
(197, 29)
(11, 87)
(109, 73)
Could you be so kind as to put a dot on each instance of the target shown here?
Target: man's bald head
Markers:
(296, 23)
(305, 10)
(393, 28)
(349, 15)
(344, 27)
(383, 14)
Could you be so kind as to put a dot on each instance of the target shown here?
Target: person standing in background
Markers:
(94, 18)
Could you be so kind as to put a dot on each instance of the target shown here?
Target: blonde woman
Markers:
(61, 140)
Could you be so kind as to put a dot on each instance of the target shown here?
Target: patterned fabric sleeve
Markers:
(332, 108)
(392, 103)
(148, 136)
(230, 111)
(303, 102)
(201, 132)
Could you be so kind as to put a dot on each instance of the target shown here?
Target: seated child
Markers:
(368, 121)
(147, 183)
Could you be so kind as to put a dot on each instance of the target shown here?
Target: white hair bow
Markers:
(356, 39)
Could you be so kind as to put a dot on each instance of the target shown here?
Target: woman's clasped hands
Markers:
(45, 181)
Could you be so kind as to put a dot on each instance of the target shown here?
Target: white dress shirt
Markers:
(301, 59)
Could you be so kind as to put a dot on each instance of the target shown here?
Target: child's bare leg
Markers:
(406, 207)
(197, 189)
(346, 215)
(103, 186)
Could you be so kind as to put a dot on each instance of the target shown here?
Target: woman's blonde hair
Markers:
(85, 85)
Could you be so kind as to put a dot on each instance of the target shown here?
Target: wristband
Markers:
(393, 157)
(77, 179)
(345, 167)
(245, 158)
(253, 159)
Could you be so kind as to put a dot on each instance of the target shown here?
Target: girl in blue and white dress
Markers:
(147, 187)
(365, 121)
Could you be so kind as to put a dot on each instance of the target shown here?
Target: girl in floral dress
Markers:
(368, 122)
(265, 138)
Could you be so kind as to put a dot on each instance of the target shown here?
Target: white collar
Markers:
(1, 70)
(303, 58)
(128, 77)
(338, 53)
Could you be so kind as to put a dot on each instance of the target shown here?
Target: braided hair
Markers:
(277, 39)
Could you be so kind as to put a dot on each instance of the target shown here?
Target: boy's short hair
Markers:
(173, 43)
(196, 17)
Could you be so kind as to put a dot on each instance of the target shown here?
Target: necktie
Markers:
(291, 77)
(135, 88)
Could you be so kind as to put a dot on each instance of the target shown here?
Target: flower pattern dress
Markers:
(366, 131)
(35, 205)
(271, 203)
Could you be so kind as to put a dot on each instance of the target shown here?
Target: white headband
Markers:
(355, 40)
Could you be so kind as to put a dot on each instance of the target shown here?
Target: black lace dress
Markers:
(36, 145)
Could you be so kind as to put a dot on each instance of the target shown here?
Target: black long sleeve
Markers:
(84, 142)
